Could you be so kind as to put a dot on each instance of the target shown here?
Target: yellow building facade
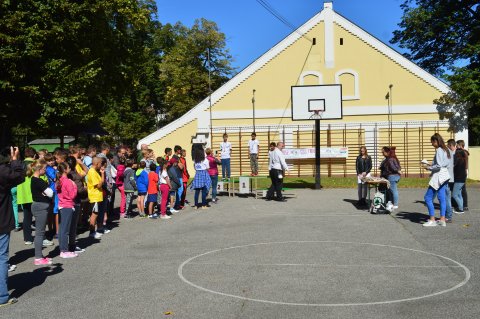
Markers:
(327, 49)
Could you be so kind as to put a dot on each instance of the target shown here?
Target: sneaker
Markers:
(173, 210)
(17, 229)
(103, 230)
(47, 242)
(68, 254)
(430, 223)
(11, 267)
(95, 235)
(214, 200)
(448, 220)
(205, 207)
(395, 207)
(127, 216)
(165, 217)
(142, 215)
(28, 242)
(153, 216)
(79, 250)
(442, 223)
(10, 301)
(459, 212)
(42, 261)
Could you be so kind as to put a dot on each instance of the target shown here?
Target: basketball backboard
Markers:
(308, 101)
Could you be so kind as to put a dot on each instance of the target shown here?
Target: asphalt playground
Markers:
(314, 256)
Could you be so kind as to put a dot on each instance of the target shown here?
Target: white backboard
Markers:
(308, 98)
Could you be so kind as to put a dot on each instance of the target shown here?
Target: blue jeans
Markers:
(178, 195)
(394, 179)
(4, 243)
(448, 198)
(225, 167)
(214, 179)
(457, 195)
(430, 195)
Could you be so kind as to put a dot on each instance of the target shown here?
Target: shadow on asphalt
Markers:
(23, 282)
(22, 255)
(414, 217)
(355, 204)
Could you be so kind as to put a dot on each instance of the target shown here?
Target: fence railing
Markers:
(411, 139)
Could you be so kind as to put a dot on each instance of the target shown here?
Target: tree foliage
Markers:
(443, 37)
(68, 63)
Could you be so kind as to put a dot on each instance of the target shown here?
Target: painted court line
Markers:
(326, 265)
(312, 215)
(441, 292)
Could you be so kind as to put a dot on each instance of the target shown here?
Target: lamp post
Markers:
(388, 97)
(210, 95)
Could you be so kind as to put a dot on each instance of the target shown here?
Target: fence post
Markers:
(240, 148)
(298, 146)
(329, 144)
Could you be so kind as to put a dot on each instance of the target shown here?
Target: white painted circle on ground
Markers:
(453, 265)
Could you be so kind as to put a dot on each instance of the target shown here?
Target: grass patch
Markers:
(342, 182)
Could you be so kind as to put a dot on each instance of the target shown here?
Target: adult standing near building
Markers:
(438, 181)
(460, 149)
(460, 177)
(363, 166)
(12, 174)
(451, 145)
(253, 150)
(225, 154)
(277, 167)
(390, 169)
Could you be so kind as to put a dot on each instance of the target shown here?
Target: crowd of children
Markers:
(74, 189)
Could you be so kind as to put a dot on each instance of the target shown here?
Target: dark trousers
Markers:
(184, 194)
(27, 222)
(277, 183)
(465, 195)
(204, 191)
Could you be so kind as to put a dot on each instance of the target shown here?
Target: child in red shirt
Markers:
(152, 190)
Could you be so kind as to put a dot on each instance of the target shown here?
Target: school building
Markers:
(387, 100)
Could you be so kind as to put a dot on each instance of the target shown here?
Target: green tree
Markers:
(443, 37)
(185, 64)
(66, 62)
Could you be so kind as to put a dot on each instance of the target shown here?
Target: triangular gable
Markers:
(196, 111)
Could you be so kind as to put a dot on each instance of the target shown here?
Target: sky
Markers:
(251, 30)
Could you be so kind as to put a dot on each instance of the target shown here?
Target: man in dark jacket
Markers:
(12, 174)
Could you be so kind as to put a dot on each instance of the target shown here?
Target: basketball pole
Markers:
(317, 154)
(253, 107)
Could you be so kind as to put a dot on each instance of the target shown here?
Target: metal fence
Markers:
(411, 139)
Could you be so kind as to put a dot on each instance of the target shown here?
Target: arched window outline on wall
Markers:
(356, 89)
(314, 73)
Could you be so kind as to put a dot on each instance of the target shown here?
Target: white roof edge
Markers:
(277, 49)
(391, 53)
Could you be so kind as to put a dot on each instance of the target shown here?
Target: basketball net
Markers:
(316, 115)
